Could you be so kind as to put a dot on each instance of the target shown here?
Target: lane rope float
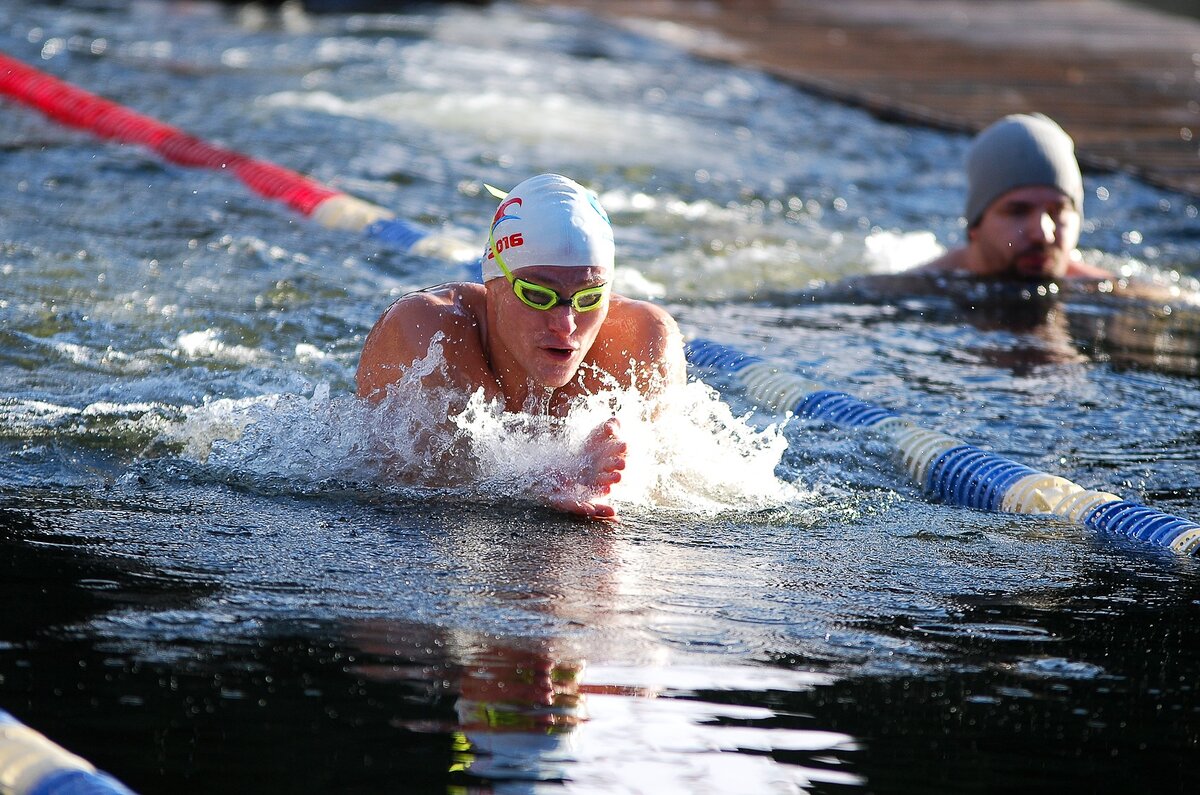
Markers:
(946, 468)
(329, 207)
(31, 764)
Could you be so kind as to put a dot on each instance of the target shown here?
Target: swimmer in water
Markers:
(543, 329)
(1024, 206)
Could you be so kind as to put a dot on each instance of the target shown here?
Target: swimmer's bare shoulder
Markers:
(957, 261)
(453, 314)
(646, 335)
(953, 261)
(1078, 269)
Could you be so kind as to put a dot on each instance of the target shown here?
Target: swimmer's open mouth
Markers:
(562, 353)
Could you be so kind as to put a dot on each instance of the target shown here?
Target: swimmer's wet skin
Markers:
(544, 330)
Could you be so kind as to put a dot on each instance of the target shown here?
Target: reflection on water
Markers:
(1150, 338)
(251, 708)
(1030, 325)
(518, 712)
(360, 705)
(529, 713)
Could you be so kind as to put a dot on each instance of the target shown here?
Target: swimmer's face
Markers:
(1028, 233)
(547, 345)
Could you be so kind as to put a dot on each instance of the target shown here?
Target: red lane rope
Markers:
(65, 103)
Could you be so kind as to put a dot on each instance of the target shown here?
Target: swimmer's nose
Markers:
(562, 318)
(1045, 230)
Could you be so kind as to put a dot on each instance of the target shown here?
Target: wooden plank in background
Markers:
(1123, 80)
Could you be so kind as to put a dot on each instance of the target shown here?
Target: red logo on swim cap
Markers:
(501, 215)
(508, 241)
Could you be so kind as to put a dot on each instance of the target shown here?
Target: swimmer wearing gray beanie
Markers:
(1024, 206)
(1017, 151)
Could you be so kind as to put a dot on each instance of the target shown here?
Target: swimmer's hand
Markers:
(603, 459)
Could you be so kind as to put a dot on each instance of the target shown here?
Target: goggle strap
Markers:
(499, 259)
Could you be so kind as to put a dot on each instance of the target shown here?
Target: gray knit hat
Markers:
(1017, 151)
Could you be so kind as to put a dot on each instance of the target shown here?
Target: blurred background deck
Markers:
(1122, 78)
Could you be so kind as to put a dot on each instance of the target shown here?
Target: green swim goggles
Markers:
(541, 297)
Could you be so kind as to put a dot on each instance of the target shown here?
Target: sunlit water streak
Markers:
(238, 546)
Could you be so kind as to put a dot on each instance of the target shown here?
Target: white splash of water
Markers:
(207, 344)
(689, 454)
(896, 252)
(212, 423)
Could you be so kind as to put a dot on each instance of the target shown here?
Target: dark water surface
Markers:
(206, 587)
(1187, 8)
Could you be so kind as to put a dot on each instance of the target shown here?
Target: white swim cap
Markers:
(551, 221)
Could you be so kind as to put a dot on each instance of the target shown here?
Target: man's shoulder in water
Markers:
(957, 262)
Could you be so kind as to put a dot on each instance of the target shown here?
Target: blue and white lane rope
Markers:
(30, 764)
(947, 468)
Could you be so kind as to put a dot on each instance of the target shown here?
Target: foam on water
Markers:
(690, 454)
